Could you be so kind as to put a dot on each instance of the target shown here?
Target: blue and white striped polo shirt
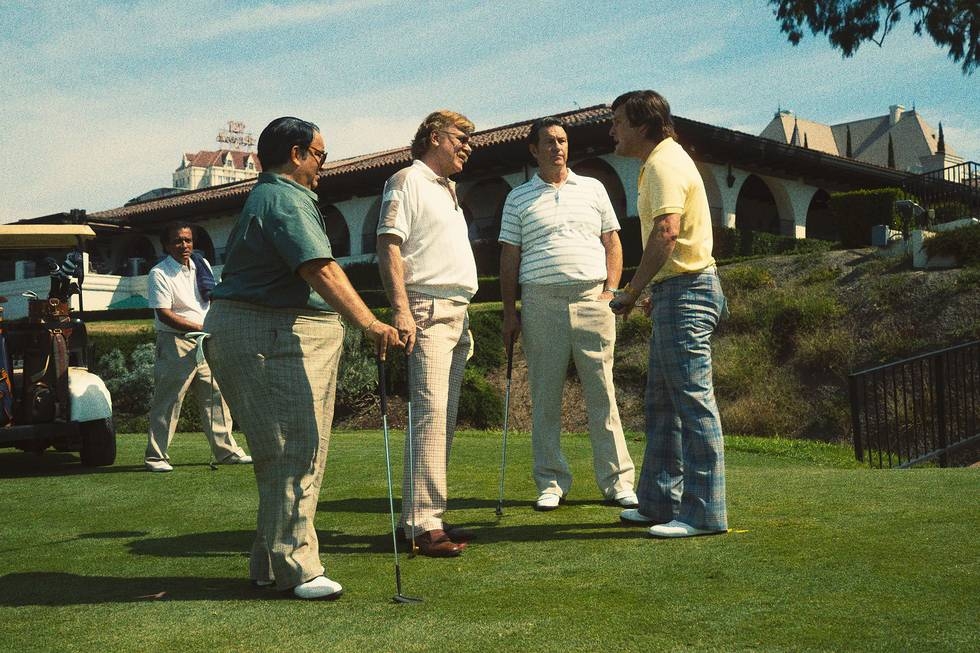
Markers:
(558, 229)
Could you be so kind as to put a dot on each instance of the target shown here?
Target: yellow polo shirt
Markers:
(670, 183)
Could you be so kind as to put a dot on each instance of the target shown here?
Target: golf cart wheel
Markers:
(98, 443)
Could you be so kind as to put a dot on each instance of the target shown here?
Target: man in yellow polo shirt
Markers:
(682, 484)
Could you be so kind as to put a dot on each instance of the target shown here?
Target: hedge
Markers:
(856, 212)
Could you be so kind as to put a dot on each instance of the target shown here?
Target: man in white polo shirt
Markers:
(429, 273)
(178, 287)
(559, 231)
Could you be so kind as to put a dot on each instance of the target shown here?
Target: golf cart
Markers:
(48, 398)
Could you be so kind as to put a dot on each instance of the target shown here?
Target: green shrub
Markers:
(962, 244)
(855, 212)
(741, 278)
(357, 376)
(130, 384)
(488, 346)
(480, 403)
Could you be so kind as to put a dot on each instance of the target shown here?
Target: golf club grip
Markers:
(382, 387)
(510, 358)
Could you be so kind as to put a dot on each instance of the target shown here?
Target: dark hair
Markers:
(648, 109)
(277, 139)
(438, 121)
(538, 125)
(171, 229)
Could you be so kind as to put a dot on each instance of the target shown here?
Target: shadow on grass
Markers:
(55, 588)
(22, 464)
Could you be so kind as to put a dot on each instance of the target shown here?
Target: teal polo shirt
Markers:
(280, 228)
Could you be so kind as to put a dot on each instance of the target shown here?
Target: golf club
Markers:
(199, 337)
(503, 454)
(411, 454)
(383, 392)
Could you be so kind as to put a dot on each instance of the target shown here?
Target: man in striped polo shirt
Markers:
(560, 241)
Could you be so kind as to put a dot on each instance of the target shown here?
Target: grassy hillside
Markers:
(797, 326)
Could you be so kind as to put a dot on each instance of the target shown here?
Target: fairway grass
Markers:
(822, 556)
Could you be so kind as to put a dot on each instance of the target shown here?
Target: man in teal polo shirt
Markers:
(275, 346)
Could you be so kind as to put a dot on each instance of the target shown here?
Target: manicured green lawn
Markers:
(823, 555)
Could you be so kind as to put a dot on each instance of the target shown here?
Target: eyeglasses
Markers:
(462, 139)
(321, 155)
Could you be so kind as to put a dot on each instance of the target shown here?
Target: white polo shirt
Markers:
(558, 229)
(435, 249)
(174, 286)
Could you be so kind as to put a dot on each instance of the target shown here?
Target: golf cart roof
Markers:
(43, 236)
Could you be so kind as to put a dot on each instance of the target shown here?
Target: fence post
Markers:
(856, 417)
(939, 367)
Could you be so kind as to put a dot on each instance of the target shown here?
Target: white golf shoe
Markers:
(679, 529)
(320, 587)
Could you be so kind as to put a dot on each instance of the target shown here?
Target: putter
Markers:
(409, 434)
(382, 391)
(199, 337)
(503, 454)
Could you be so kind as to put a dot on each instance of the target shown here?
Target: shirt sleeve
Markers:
(510, 223)
(608, 215)
(394, 216)
(296, 232)
(665, 190)
(159, 293)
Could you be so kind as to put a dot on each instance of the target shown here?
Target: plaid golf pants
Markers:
(683, 473)
(435, 376)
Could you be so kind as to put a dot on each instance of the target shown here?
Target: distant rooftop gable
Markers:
(913, 139)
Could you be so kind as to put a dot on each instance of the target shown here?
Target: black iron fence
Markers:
(919, 409)
(951, 193)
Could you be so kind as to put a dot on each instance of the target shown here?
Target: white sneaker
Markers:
(679, 529)
(158, 466)
(320, 587)
(626, 500)
(634, 516)
(235, 459)
(547, 501)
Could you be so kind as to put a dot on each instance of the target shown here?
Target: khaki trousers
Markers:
(558, 322)
(435, 376)
(174, 371)
(279, 371)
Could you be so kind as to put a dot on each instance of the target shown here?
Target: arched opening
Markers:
(134, 255)
(369, 232)
(203, 244)
(337, 231)
(820, 219)
(483, 205)
(629, 233)
(755, 209)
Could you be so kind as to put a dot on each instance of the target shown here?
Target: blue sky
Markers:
(99, 99)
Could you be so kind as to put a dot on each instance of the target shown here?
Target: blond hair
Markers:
(438, 121)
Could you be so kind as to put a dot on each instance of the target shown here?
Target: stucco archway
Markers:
(755, 209)
(820, 219)
(337, 231)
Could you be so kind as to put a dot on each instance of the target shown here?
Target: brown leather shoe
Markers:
(458, 534)
(436, 544)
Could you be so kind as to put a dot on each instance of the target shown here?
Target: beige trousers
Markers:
(279, 372)
(174, 371)
(558, 322)
(435, 376)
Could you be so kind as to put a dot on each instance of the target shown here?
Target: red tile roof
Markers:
(207, 158)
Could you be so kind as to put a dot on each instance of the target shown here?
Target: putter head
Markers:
(413, 550)
(401, 598)
(500, 511)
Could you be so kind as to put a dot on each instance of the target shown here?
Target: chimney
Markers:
(894, 113)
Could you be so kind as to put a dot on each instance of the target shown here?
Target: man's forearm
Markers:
(659, 247)
(174, 321)
(329, 281)
(510, 260)
(614, 259)
(392, 271)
